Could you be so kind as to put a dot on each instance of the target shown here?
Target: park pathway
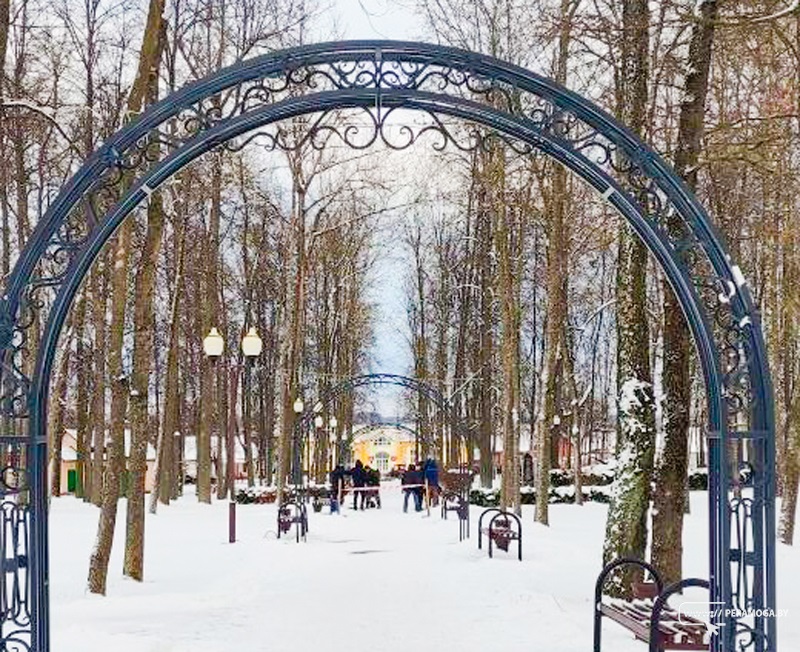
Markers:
(378, 580)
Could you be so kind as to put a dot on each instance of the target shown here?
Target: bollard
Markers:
(232, 522)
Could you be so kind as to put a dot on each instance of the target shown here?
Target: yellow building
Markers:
(384, 447)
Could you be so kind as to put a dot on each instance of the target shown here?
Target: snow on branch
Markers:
(752, 19)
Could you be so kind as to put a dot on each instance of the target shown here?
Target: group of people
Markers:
(366, 484)
(417, 479)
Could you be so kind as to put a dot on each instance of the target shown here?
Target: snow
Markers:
(738, 277)
(629, 394)
(379, 580)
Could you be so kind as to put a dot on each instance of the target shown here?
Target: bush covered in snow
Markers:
(561, 494)
(260, 495)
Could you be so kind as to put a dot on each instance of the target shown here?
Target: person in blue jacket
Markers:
(430, 472)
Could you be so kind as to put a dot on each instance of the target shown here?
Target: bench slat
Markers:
(686, 634)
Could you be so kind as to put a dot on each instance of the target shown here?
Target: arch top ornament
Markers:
(295, 98)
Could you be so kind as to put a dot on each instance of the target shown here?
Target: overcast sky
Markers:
(384, 19)
(377, 19)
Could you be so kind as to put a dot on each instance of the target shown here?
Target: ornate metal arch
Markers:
(374, 79)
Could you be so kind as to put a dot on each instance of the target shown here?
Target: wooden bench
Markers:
(293, 513)
(454, 502)
(504, 527)
(648, 615)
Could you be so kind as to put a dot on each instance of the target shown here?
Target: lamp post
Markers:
(297, 472)
(334, 441)
(213, 347)
(251, 349)
(319, 423)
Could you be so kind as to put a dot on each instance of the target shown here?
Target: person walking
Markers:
(412, 479)
(359, 482)
(337, 487)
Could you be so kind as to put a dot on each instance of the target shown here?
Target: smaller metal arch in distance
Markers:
(366, 428)
(349, 385)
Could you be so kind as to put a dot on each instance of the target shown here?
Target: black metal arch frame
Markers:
(494, 102)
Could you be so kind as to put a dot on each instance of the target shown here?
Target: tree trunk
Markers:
(627, 527)
(210, 410)
(669, 494)
(165, 464)
(791, 480)
(557, 282)
(289, 452)
(143, 336)
(82, 434)
(143, 89)
(115, 458)
(57, 423)
(485, 233)
(99, 285)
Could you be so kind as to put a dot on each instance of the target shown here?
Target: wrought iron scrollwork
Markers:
(15, 602)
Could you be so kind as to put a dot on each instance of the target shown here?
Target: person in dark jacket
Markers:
(430, 473)
(374, 481)
(359, 476)
(412, 477)
(337, 487)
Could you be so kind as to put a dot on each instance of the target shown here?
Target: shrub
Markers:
(258, 495)
(558, 495)
(698, 480)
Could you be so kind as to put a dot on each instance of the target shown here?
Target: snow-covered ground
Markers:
(377, 580)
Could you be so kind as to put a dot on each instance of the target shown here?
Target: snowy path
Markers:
(378, 580)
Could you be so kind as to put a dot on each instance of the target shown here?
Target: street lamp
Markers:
(213, 347)
(213, 344)
(251, 349)
(298, 407)
(252, 344)
(336, 455)
(319, 422)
